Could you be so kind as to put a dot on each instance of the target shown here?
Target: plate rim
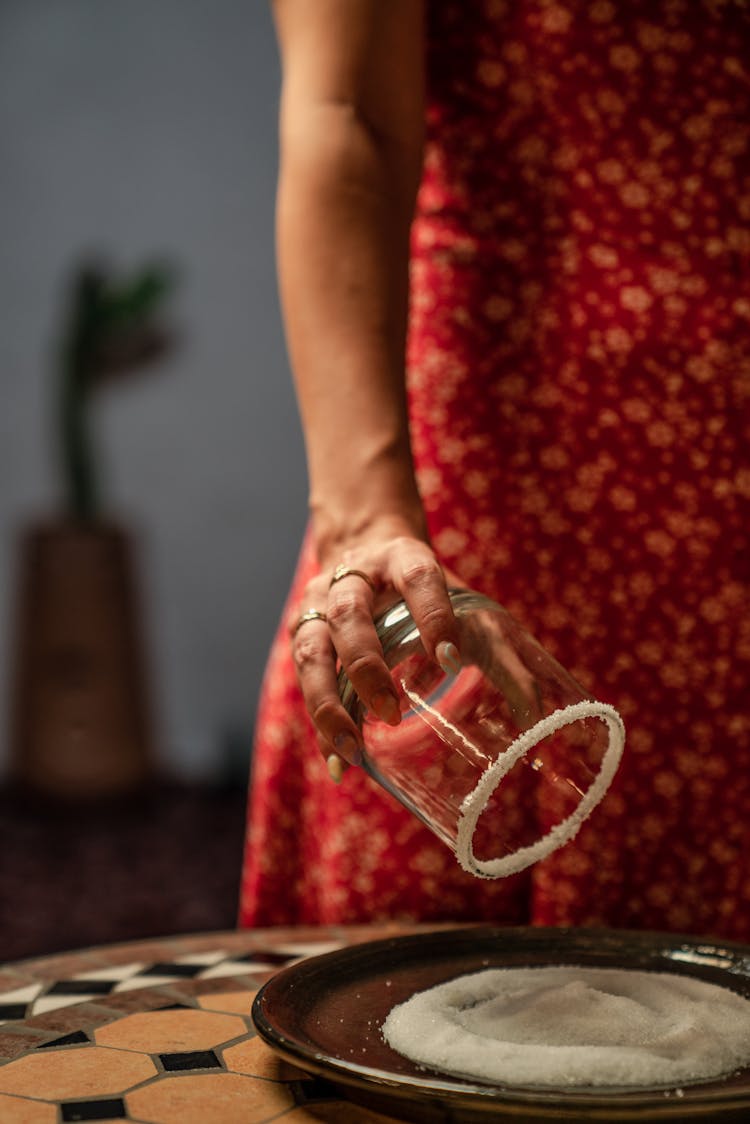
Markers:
(659, 1101)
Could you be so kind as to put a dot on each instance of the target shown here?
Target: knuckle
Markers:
(313, 593)
(344, 608)
(421, 572)
(308, 652)
(436, 620)
(348, 557)
(364, 667)
(324, 711)
(408, 543)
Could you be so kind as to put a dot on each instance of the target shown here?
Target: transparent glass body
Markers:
(502, 761)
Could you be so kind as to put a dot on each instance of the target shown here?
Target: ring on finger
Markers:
(343, 571)
(308, 615)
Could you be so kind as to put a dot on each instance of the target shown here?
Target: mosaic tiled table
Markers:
(159, 1032)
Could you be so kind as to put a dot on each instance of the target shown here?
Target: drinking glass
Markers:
(502, 761)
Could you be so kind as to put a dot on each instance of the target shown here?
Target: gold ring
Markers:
(342, 571)
(308, 615)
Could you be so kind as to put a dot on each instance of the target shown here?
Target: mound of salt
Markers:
(571, 1026)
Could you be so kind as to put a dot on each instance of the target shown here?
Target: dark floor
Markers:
(166, 861)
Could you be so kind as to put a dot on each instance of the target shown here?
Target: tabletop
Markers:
(160, 1032)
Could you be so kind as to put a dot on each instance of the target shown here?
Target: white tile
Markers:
(234, 968)
(315, 948)
(115, 972)
(52, 1002)
(21, 994)
(206, 958)
(144, 981)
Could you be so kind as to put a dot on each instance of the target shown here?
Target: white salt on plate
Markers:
(572, 1026)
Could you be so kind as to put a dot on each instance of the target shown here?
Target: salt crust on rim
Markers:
(474, 804)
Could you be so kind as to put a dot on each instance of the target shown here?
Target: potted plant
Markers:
(80, 721)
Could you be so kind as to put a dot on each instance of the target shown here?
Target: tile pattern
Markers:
(160, 1032)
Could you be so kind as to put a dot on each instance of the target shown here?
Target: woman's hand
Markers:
(347, 597)
(351, 145)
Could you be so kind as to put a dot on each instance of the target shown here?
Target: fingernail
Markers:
(335, 768)
(386, 707)
(346, 747)
(448, 658)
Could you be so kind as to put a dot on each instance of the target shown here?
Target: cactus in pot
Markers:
(81, 725)
(113, 329)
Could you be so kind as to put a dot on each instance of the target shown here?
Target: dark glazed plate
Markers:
(324, 1014)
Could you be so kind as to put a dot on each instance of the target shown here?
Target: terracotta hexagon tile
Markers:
(224, 1097)
(230, 942)
(17, 1110)
(185, 990)
(10, 979)
(147, 951)
(13, 1043)
(159, 1032)
(344, 1113)
(67, 1018)
(114, 1120)
(188, 990)
(62, 967)
(236, 1002)
(256, 1059)
(146, 999)
(54, 1075)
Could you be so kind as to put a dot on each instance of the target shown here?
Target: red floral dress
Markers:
(579, 373)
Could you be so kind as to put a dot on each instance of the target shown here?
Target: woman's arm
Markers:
(351, 150)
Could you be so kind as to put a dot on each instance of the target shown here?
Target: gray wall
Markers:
(133, 129)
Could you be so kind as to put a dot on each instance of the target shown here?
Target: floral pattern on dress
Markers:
(579, 375)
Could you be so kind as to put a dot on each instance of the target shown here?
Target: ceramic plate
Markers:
(324, 1014)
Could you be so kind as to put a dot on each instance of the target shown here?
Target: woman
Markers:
(563, 426)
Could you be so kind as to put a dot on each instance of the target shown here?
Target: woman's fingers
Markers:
(341, 627)
(404, 567)
(315, 661)
(351, 601)
(421, 581)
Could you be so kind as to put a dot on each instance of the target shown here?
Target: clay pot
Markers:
(80, 723)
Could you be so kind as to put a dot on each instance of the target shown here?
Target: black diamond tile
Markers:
(12, 1011)
(74, 1038)
(112, 1109)
(313, 1091)
(264, 957)
(186, 970)
(193, 1059)
(82, 987)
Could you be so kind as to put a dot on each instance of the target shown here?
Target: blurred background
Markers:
(133, 134)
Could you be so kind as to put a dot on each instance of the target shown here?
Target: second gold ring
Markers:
(342, 571)
(309, 615)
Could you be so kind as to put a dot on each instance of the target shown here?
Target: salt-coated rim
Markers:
(474, 804)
